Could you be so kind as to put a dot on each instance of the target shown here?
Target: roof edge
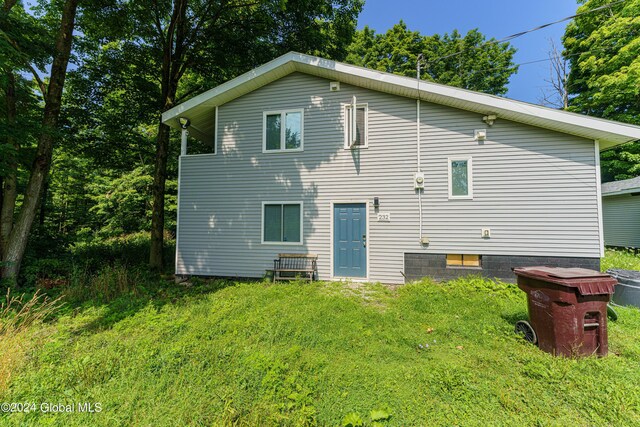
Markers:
(609, 132)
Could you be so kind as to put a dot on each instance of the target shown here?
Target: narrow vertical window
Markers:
(356, 127)
(460, 178)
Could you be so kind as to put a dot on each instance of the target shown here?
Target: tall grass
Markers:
(107, 284)
(18, 314)
(625, 259)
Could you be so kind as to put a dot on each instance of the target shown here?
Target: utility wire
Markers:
(522, 33)
(535, 61)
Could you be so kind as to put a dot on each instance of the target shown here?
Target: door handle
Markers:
(364, 240)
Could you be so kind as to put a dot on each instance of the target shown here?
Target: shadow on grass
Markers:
(513, 318)
(156, 294)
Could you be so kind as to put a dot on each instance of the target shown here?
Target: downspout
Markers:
(419, 167)
(184, 124)
(418, 147)
(599, 196)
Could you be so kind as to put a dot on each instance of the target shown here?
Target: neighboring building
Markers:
(621, 213)
(425, 180)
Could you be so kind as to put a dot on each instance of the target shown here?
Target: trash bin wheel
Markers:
(524, 328)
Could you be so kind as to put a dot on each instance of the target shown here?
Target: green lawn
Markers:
(223, 353)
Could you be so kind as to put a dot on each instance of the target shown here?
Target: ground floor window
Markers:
(460, 260)
(282, 222)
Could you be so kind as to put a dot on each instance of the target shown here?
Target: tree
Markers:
(470, 62)
(202, 43)
(17, 240)
(603, 49)
(556, 94)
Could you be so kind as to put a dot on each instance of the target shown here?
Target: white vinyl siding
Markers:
(534, 188)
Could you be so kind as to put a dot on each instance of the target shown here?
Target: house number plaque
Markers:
(384, 217)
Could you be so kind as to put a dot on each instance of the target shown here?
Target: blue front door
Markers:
(350, 240)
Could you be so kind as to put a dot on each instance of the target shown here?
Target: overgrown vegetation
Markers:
(230, 353)
(626, 259)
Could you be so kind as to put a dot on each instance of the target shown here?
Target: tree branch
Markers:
(8, 4)
(157, 23)
(187, 94)
(26, 63)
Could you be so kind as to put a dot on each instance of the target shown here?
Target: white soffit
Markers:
(200, 109)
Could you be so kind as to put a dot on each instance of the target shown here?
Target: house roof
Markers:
(198, 109)
(621, 187)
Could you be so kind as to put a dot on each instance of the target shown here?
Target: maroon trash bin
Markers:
(568, 308)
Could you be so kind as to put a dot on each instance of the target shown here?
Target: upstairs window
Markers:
(282, 131)
(355, 129)
(282, 222)
(460, 178)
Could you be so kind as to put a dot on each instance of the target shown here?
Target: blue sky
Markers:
(494, 18)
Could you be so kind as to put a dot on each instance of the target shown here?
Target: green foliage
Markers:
(81, 261)
(352, 419)
(131, 249)
(603, 49)
(471, 61)
(626, 259)
(122, 204)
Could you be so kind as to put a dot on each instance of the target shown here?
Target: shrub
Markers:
(130, 249)
(106, 284)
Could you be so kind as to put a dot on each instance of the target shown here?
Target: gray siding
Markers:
(535, 189)
(621, 216)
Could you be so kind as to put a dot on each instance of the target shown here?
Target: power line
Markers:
(522, 33)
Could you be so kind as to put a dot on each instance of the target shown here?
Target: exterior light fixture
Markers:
(184, 122)
(376, 202)
(489, 119)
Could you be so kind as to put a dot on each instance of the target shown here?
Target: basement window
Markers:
(463, 260)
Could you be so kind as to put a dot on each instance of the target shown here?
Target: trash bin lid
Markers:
(588, 282)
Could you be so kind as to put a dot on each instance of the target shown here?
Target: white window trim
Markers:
(286, 202)
(469, 161)
(283, 127)
(345, 110)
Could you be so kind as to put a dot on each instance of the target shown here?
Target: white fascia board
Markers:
(610, 133)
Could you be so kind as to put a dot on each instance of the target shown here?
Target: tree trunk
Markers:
(42, 162)
(43, 202)
(171, 72)
(8, 189)
(156, 260)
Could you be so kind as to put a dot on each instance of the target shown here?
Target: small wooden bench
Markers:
(294, 266)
